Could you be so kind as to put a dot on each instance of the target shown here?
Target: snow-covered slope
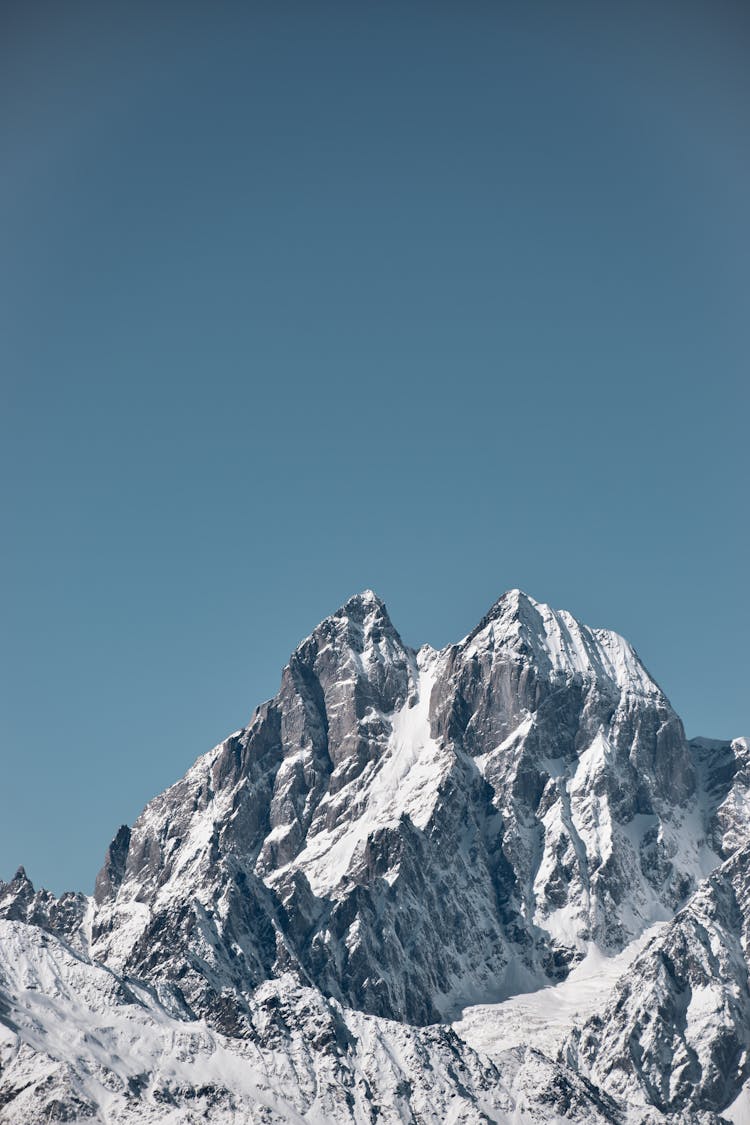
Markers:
(79, 1043)
(544, 1017)
(398, 838)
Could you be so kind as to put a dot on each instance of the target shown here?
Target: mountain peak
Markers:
(396, 836)
(356, 653)
(515, 596)
(363, 615)
(513, 605)
(361, 605)
(559, 644)
(513, 602)
(357, 616)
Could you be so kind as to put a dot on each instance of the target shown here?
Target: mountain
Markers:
(325, 918)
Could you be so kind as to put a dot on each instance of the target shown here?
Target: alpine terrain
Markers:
(490, 883)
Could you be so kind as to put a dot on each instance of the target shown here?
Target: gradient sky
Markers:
(298, 298)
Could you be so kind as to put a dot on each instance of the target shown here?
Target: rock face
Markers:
(676, 1032)
(399, 834)
(725, 777)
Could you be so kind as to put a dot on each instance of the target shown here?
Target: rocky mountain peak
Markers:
(341, 681)
(20, 901)
(398, 834)
(16, 894)
(559, 646)
(361, 605)
(510, 608)
(359, 624)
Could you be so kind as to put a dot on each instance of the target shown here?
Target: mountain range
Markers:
(489, 883)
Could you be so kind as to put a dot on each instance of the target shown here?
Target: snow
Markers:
(562, 645)
(70, 1029)
(544, 1018)
(739, 1111)
(409, 778)
(68, 1009)
(405, 780)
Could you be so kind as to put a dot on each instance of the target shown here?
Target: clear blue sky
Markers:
(298, 298)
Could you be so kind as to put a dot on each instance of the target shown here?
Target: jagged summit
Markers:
(364, 601)
(361, 620)
(559, 645)
(20, 901)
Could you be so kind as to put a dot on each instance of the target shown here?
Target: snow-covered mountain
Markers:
(405, 892)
